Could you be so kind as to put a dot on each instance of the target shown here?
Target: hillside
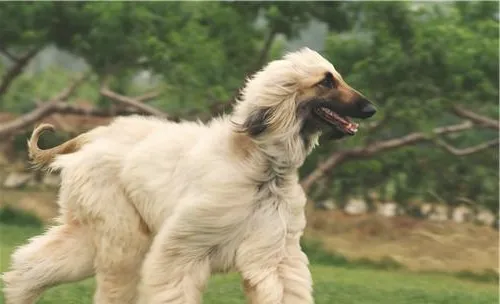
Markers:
(419, 245)
(342, 285)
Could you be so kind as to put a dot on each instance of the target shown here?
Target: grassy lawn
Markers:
(333, 284)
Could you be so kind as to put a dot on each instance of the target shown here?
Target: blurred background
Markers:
(410, 202)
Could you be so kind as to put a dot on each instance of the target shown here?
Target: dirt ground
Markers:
(420, 245)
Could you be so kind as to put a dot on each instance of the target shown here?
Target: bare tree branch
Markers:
(147, 96)
(50, 108)
(132, 102)
(39, 112)
(64, 108)
(322, 169)
(8, 54)
(16, 69)
(376, 147)
(476, 118)
(264, 52)
(371, 149)
(27, 119)
(468, 150)
(70, 90)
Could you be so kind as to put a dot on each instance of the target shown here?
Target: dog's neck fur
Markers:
(279, 153)
(277, 148)
(272, 162)
(282, 150)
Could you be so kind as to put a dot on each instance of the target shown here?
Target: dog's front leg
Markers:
(289, 283)
(271, 262)
(174, 271)
(295, 275)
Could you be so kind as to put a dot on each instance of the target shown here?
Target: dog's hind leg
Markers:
(174, 272)
(63, 254)
(118, 265)
(123, 240)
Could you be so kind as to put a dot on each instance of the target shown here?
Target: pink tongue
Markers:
(351, 126)
(339, 118)
(348, 125)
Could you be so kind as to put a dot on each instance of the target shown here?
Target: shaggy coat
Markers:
(152, 208)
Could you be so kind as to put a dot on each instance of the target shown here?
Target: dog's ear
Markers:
(257, 122)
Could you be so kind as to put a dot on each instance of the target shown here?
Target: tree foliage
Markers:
(417, 61)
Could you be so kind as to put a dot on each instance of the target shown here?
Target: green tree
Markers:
(427, 66)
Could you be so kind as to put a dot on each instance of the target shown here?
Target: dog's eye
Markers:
(328, 81)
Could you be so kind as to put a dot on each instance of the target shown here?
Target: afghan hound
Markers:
(152, 208)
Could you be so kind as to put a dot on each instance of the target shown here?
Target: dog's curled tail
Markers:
(43, 157)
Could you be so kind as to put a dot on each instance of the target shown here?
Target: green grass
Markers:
(11, 216)
(332, 284)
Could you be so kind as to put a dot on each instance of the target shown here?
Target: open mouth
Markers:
(343, 123)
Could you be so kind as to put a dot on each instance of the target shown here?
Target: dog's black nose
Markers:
(368, 110)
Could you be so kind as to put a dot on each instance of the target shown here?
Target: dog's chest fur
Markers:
(217, 198)
(276, 213)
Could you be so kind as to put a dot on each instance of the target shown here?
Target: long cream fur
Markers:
(152, 208)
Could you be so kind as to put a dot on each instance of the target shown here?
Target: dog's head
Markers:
(302, 93)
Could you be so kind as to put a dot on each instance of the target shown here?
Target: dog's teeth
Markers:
(353, 127)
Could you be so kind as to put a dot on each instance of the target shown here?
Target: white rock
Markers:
(328, 204)
(356, 206)
(387, 209)
(440, 213)
(425, 209)
(485, 217)
(17, 179)
(462, 214)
